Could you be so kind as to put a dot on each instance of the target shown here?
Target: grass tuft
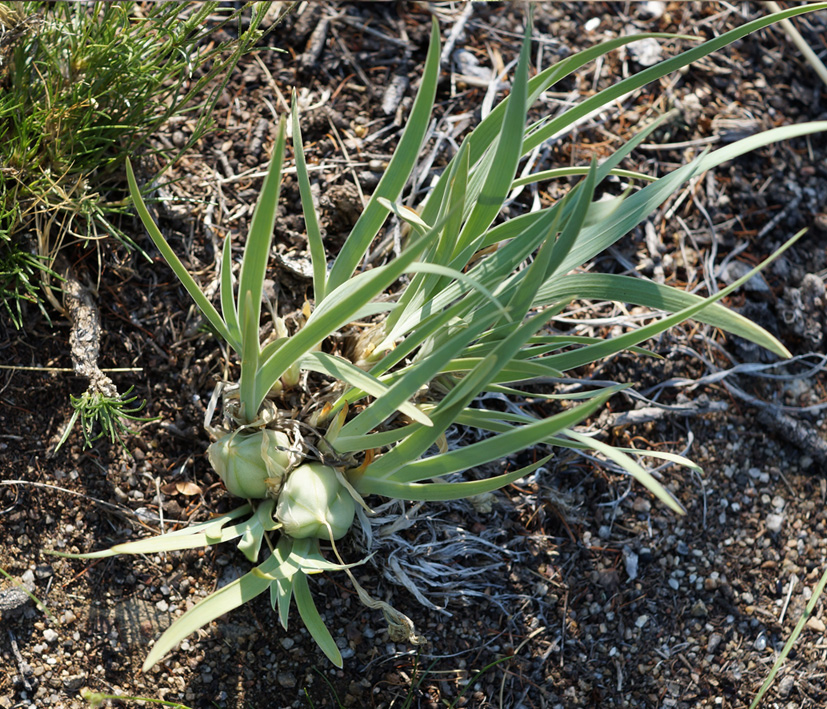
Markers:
(82, 87)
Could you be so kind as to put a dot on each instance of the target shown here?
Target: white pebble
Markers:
(774, 523)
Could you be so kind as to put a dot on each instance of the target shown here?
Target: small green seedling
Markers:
(104, 416)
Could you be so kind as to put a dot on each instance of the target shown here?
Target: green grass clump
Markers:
(83, 86)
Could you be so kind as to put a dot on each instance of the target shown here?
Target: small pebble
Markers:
(642, 620)
(760, 643)
(50, 635)
(699, 609)
(630, 559)
(68, 617)
(652, 9)
(74, 682)
(286, 679)
(673, 584)
(816, 624)
(647, 52)
(757, 284)
(774, 523)
(713, 643)
(641, 505)
(785, 686)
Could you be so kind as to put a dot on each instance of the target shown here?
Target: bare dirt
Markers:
(587, 592)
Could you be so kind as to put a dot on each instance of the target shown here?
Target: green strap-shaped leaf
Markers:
(198, 535)
(396, 174)
(360, 442)
(639, 291)
(633, 468)
(311, 220)
(483, 136)
(431, 492)
(250, 355)
(204, 305)
(580, 210)
(262, 521)
(251, 281)
(459, 277)
(225, 599)
(446, 411)
(500, 167)
(281, 590)
(313, 621)
(228, 307)
(637, 207)
(516, 370)
(559, 172)
(260, 236)
(591, 353)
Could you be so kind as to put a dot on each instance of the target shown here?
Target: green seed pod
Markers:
(313, 498)
(251, 465)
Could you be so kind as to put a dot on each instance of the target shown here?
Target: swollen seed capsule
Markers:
(251, 465)
(313, 498)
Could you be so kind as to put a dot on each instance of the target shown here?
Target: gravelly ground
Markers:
(593, 594)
